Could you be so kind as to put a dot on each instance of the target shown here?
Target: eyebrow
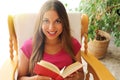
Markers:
(44, 18)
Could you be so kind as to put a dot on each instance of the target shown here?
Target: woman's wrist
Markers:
(37, 77)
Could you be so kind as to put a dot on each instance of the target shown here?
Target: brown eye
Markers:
(58, 21)
(45, 21)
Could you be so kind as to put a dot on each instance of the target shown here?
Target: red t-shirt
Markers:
(60, 59)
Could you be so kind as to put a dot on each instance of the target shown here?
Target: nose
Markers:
(51, 26)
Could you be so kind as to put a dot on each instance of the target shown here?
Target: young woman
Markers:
(52, 42)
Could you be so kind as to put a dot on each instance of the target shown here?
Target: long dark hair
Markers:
(39, 37)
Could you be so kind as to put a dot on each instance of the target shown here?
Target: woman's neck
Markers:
(52, 46)
(52, 42)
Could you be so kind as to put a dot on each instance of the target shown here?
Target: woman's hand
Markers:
(78, 75)
(74, 76)
(37, 77)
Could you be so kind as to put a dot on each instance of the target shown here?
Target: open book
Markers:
(45, 68)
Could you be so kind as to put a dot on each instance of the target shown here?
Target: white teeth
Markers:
(52, 32)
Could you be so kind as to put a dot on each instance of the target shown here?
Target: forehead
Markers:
(51, 14)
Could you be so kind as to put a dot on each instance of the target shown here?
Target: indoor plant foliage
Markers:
(103, 15)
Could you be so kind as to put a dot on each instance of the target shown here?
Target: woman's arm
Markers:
(23, 67)
(78, 56)
(80, 73)
(36, 77)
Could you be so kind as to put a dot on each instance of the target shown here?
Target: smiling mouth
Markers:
(52, 32)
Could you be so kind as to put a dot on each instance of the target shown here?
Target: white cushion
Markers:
(25, 23)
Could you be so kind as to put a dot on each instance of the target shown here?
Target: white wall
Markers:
(13, 7)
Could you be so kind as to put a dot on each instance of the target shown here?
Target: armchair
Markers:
(18, 29)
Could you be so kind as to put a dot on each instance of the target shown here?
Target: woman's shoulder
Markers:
(28, 42)
(75, 41)
(27, 47)
(76, 45)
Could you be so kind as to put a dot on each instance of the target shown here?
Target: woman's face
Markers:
(51, 26)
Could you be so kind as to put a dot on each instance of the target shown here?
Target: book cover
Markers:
(45, 68)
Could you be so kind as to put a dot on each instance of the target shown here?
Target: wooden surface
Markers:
(7, 72)
(8, 69)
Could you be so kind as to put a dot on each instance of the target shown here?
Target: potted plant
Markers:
(104, 18)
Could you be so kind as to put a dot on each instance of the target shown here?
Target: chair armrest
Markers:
(99, 71)
(8, 69)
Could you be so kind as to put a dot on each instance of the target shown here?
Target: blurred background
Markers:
(8, 7)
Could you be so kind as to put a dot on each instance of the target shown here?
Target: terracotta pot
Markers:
(99, 48)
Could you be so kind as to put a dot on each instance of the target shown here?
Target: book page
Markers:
(71, 69)
(49, 66)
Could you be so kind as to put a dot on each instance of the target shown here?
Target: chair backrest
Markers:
(8, 69)
(24, 25)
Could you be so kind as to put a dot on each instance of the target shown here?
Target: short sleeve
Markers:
(76, 45)
(27, 48)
